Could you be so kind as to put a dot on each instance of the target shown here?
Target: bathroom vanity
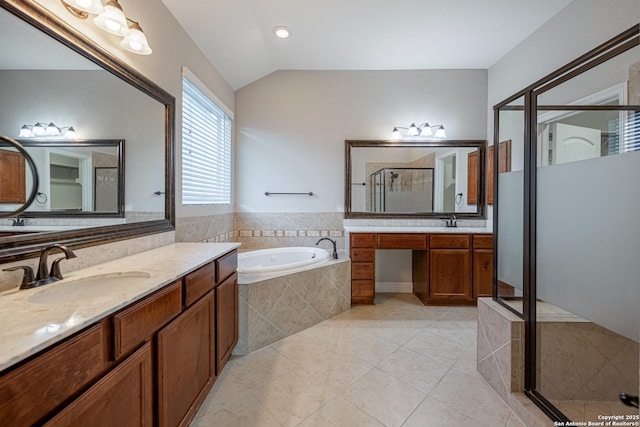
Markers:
(449, 265)
(143, 354)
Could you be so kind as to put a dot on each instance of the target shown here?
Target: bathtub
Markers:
(282, 291)
(279, 259)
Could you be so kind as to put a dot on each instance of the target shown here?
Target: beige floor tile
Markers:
(473, 397)
(246, 412)
(340, 413)
(385, 398)
(416, 370)
(294, 396)
(369, 366)
(437, 348)
(432, 413)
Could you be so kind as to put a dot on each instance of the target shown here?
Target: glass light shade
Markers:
(25, 132)
(426, 130)
(395, 134)
(440, 132)
(135, 41)
(413, 130)
(70, 133)
(52, 129)
(93, 7)
(112, 20)
(38, 130)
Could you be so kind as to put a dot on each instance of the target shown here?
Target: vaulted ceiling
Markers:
(237, 37)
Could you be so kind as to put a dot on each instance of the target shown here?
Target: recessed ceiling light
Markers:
(281, 32)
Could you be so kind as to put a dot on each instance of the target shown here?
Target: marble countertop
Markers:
(26, 328)
(415, 229)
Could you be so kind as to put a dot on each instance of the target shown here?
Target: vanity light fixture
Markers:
(38, 129)
(111, 18)
(281, 32)
(423, 129)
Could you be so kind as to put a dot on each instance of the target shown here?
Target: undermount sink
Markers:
(88, 287)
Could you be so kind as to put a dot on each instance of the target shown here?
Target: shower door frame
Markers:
(606, 51)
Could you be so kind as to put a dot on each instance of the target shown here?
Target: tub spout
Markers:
(335, 251)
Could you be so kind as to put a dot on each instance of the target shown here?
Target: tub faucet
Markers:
(335, 251)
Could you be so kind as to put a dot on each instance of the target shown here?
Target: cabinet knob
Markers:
(485, 265)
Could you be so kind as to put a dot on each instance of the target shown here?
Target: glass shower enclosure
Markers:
(401, 190)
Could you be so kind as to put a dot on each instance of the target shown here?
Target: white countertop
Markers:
(415, 229)
(26, 328)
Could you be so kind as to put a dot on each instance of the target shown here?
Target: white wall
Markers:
(291, 126)
(172, 49)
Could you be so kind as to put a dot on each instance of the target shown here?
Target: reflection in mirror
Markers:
(50, 72)
(78, 178)
(414, 178)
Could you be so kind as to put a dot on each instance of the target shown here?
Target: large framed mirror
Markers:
(50, 72)
(415, 179)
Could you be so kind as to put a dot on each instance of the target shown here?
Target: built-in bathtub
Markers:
(285, 290)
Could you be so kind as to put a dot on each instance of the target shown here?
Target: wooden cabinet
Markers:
(12, 177)
(151, 363)
(186, 362)
(482, 266)
(65, 370)
(226, 320)
(123, 398)
(363, 268)
(447, 268)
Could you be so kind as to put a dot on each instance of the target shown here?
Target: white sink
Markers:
(88, 287)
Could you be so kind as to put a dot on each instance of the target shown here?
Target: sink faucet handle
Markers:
(55, 268)
(27, 278)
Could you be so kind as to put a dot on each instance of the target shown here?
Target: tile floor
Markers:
(397, 363)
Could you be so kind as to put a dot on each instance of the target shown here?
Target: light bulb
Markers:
(426, 130)
(413, 130)
(52, 129)
(112, 20)
(440, 132)
(83, 3)
(25, 132)
(395, 134)
(38, 129)
(281, 32)
(70, 133)
(135, 41)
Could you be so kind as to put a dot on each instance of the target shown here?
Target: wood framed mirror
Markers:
(149, 202)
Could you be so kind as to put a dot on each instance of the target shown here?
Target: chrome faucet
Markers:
(452, 221)
(335, 251)
(17, 222)
(43, 277)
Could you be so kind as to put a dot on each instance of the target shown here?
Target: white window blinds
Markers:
(206, 149)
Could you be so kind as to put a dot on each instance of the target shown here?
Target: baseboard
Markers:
(394, 287)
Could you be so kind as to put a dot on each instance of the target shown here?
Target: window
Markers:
(206, 148)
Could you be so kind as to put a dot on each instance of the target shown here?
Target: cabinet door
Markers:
(65, 369)
(123, 398)
(186, 360)
(12, 177)
(482, 272)
(226, 320)
(449, 274)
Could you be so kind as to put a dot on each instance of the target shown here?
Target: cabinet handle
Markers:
(485, 265)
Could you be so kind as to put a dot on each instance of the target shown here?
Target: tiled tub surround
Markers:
(87, 257)
(276, 230)
(275, 306)
(566, 341)
(26, 328)
(208, 228)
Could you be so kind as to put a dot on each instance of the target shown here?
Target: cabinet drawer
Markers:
(363, 255)
(198, 283)
(226, 265)
(363, 288)
(34, 389)
(137, 323)
(483, 241)
(363, 240)
(449, 241)
(402, 241)
(362, 270)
